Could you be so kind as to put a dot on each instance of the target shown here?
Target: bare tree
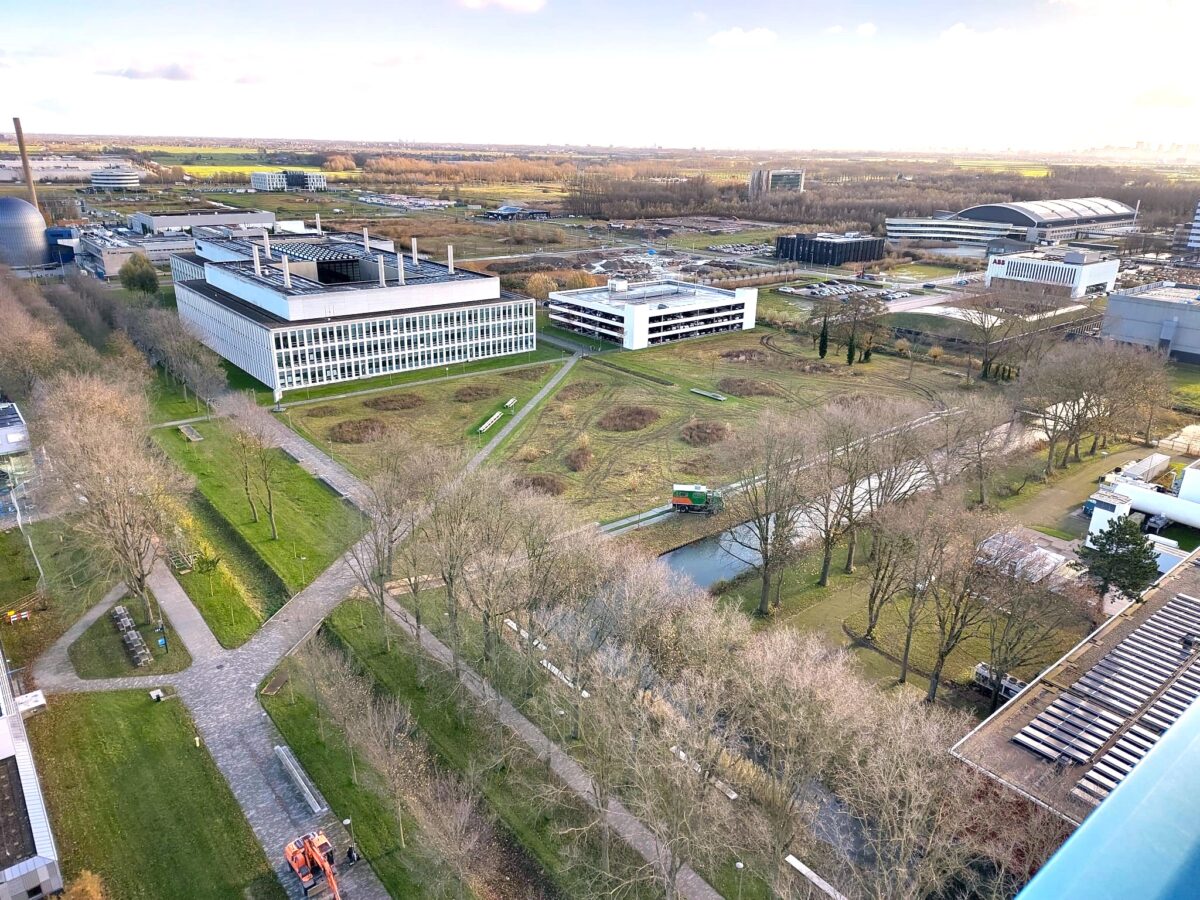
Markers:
(767, 499)
(250, 428)
(985, 436)
(117, 486)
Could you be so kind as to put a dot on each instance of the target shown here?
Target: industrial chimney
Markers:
(287, 272)
(414, 249)
(25, 161)
(319, 231)
(366, 241)
(450, 258)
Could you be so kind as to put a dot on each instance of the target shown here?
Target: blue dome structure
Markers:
(22, 234)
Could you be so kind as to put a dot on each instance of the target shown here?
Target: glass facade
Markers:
(342, 351)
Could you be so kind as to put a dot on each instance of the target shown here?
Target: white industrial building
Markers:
(1035, 221)
(1076, 273)
(320, 308)
(29, 866)
(159, 222)
(268, 181)
(643, 314)
(102, 251)
(116, 178)
(1163, 315)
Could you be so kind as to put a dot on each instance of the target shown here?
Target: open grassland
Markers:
(100, 651)
(295, 205)
(922, 270)
(315, 526)
(1020, 167)
(532, 194)
(696, 240)
(135, 801)
(73, 584)
(444, 414)
(630, 465)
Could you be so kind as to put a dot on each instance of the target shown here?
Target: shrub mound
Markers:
(393, 402)
(357, 431)
(322, 412)
(578, 390)
(473, 392)
(530, 374)
(628, 418)
(750, 354)
(704, 434)
(700, 464)
(747, 387)
(579, 459)
(543, 483)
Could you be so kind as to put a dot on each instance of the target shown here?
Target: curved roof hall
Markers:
(1081, 210)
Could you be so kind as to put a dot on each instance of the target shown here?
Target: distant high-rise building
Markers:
(765, 181)
(1193, 242)
(288, 179)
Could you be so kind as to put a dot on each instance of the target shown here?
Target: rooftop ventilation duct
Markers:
(450, 258)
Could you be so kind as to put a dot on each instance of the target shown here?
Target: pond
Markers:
(712, 559)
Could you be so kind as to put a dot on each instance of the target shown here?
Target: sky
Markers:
(786, 75)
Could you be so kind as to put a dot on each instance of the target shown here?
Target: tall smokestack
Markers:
(379, 265)
(450, 258)
(319, 231)
(366, 240)
(400, 266)
(414, 249)
(287, 273)
(802, 181)
(25, 161)
(257, 261)
(267, 243)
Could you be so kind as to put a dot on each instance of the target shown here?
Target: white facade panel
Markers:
(1079, 278)
(244, 343)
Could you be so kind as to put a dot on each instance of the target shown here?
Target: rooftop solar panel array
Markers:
(1133, 694)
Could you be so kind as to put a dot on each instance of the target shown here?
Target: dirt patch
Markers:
(534, 374)
(813, 368)
(747, 387)
(579, 459)
(578, 390)
(704, 434)
(393, 402)
(748, 355)
(700, 464)
(472, 392)
(543, 483)
(358, 431)
(322, 412)
(628, 418)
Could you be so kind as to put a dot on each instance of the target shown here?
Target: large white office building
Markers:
(1073, 273)
(268, 181)
(116, 178)
(320, 308)
(643, 314)
(1035, 221)
(185, 220)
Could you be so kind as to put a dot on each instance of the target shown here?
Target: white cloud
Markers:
(700, 16)
(738, 38)
(866, 30)
(834, 29)
(167, 72)
(513, 6)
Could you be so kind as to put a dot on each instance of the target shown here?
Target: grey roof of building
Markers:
(10, 416)
(269, 320)
(1050, 212)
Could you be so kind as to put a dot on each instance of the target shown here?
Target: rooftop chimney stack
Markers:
(319, 231)
(257, 263)
(382, 275)
(450, 258)
(287, 273)
(267, 243)
(414, 249)
(400, 266)
(29, 185)
(366, 240)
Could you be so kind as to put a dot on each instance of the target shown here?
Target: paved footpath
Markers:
(220, 689)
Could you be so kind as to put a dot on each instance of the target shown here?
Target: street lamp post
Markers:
(349, 823)
(741, 867)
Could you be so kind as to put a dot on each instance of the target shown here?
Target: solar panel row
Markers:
(1157, 663)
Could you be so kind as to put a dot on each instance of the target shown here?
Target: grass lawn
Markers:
(448, 415)
(700, 241)
(167, 402)
(1185, 383)
(134, 800)
(513, 786)
(315, 526)
(634, 470)
(932, 323)
(403, 870)
(922, 270)
(242, 591)
(100, 653)
(541, 354)
(72, 586)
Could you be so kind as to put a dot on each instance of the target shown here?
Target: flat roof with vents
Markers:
(1085, 723)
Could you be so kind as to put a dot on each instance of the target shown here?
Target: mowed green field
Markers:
(315, 526)
(634, 470)
(134, 800)
(444, 414)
